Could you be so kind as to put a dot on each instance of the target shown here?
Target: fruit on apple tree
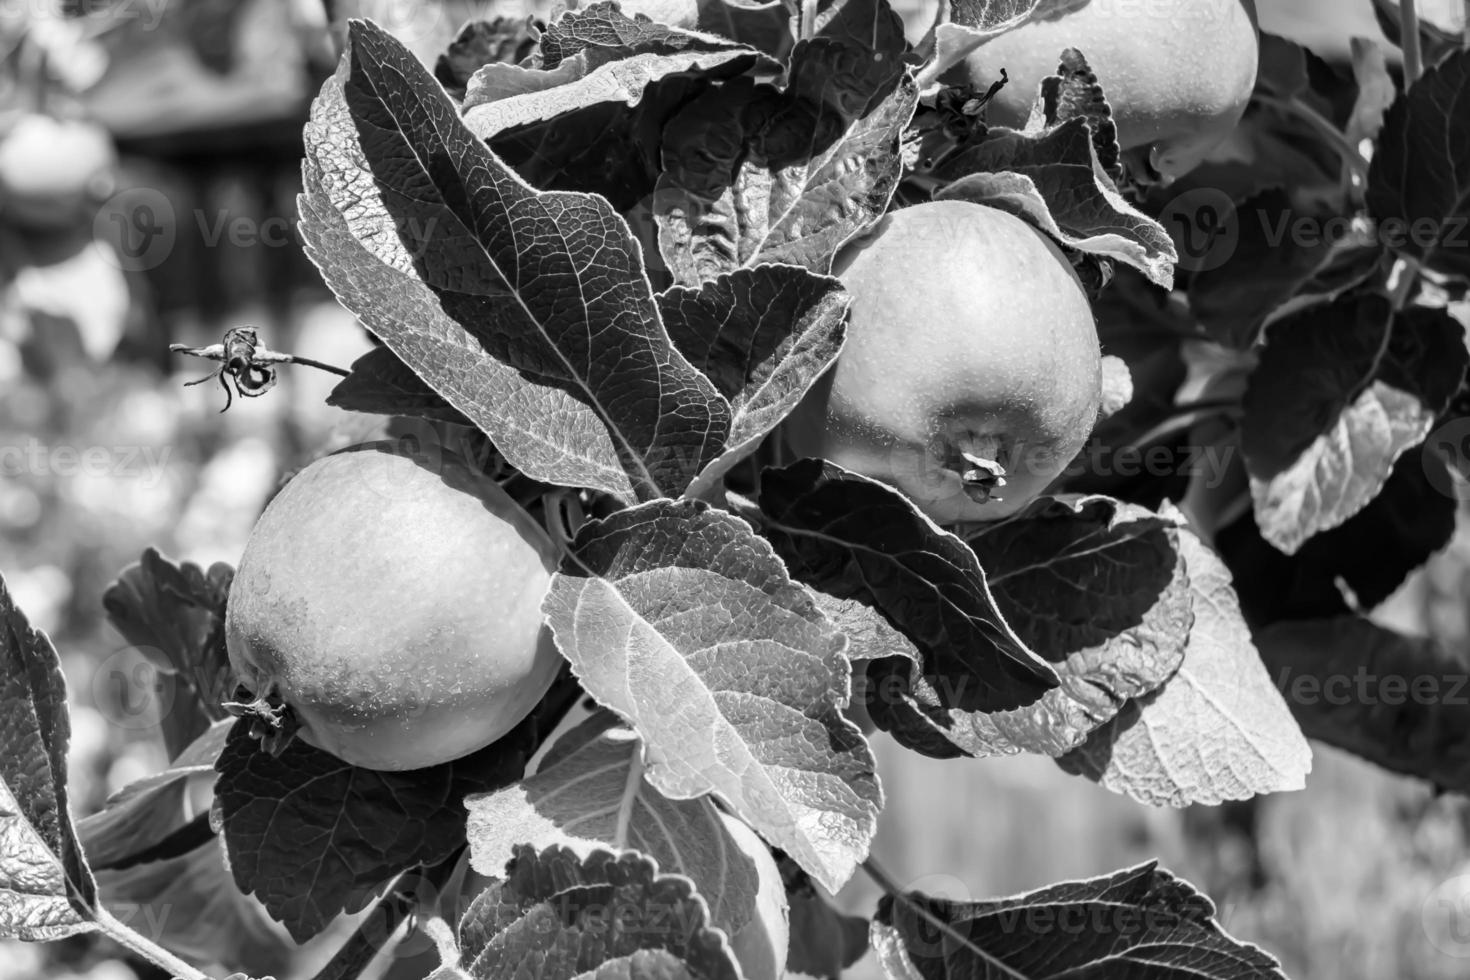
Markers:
(1178, 73)
(395, 607)
(761, 945)
(51, 168)
(971, 375)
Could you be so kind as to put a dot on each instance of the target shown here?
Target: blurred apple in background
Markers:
(52, 169)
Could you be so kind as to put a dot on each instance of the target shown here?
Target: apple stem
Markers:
(1409, 39)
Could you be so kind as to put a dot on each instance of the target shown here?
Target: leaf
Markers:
(856, 539)
(1260, 254)
(381, 384)
(1419, 181)
(604, 26)
(1055, 182)
(1217, 730)
(559, 916)
(501, 98)
(1398, 701)
(595, 797)
(762, 336)
(682, 621)
(1319, 444)
(483, 42)
(529, 312)
(1074, 92)
(311, 836)
(972, 21)
(1096, 588)
(752, 175)
(824, 942)
(1138, 922)
(1363, 561)
(46, 889)
(188, 903)
(142, 814)
(175, 616)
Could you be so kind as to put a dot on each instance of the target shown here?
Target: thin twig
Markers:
(1295, 107)
(146, 948)
(1409, 40)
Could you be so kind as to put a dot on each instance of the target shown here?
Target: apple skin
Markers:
(51, 170)
(760, 947)
(968, 331)
(1177, 73)
(395, 606)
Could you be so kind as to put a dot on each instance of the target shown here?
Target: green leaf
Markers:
(594, 796)
(311, 836)
(762, 335)
(1141, 922)
(1054, 181)
(856, 539)
(381, 384)
(529, 312)
(1098, 589)
(562, 916)
(754, 175)
(1217, 730)
(1398, 701)
(175, 616)
(46, 889)
(1342, 391)
(684, 622)
(1419, 181)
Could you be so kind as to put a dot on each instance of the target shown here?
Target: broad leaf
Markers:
(529, 312)
(824, 941)
(972, 22)
(381, 384)
(1217, 730)
(753, 175)
(311, 836)
(138, 817)
(175, 616)
(1419, 182)
(1399, 701)
(1361, 563)
(1096, 588)
(1260, 254)
(1139, 922)
(560, 916)
(684, 622)
(1320, 444)
(762, 336)
(595, 797)
(856, 539)
(1054, 180)
(46, 889)
(603, 26)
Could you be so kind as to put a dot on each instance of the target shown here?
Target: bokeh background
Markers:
(188, 230)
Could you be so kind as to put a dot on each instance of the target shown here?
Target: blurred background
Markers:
(149, 162)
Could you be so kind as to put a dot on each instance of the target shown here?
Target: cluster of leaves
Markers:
(611, 258)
